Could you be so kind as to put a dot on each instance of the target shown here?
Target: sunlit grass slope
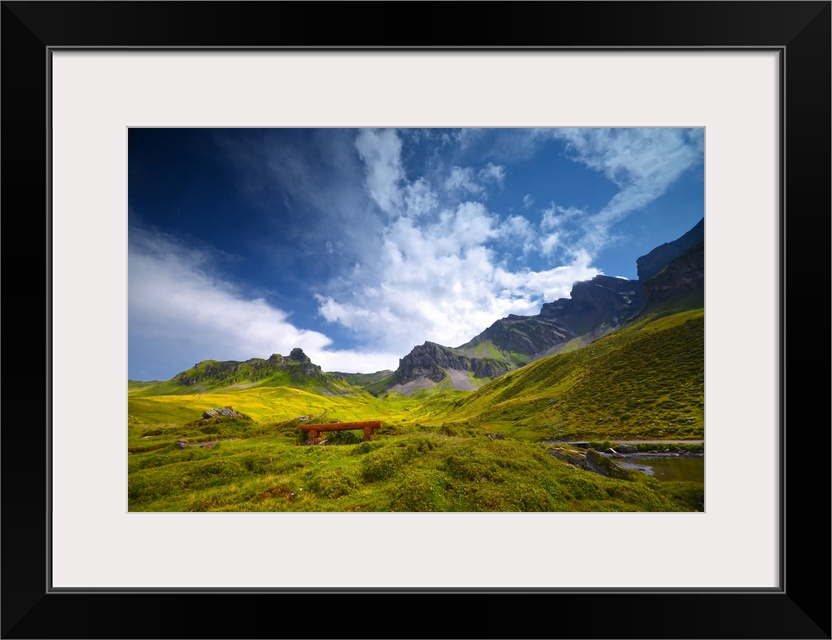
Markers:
(643, 381)
(264, 404)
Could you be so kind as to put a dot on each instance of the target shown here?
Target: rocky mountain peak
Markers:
(604, 294)
(432, 361)
(297, 355)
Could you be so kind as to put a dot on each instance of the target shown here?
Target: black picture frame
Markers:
(800, 608)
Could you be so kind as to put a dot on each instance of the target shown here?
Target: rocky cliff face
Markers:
(598, 305)
(649, 265)
(595, 307)
(602, 301)
(432, 361)
(523, 335)
(683, 274)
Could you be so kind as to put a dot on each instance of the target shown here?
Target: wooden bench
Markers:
(314, 430)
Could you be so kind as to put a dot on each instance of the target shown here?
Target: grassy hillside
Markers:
(295, 370)
(643, 381)
(263, 404)
(363, 380)
(433, 454)
(264, 467)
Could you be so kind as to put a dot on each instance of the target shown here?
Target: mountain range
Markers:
(670, 278)
(671, 273)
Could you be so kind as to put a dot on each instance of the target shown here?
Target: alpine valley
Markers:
(535, 413)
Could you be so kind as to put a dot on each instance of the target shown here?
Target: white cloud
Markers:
(466, 181)
(184, 314)
(440, 282)
(518, 230)
(346, 361)
(528, 200)
(643, 163)
(556, 217)
(493, 173)
(549, 243)
(440, 277)
(462, 179)
(381, 153)
(460, 137)
(419, 199)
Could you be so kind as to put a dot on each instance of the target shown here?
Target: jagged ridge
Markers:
(294, 370)
(602, 303)
(212, 372)
(650, 264)
(432, 361)
(594, 309)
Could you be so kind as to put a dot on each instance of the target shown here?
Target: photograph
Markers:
(416, 319)
(415, 311)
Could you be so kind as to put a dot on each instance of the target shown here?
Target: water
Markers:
(670, 469)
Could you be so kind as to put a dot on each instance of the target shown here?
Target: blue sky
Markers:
(359, 244)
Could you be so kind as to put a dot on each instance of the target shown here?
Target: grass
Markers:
(417, 468)
(645, 381)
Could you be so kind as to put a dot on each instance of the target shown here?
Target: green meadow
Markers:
(490, 449)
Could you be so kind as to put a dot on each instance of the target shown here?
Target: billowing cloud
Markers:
(441, 282)
(445, 279)
(176, 305)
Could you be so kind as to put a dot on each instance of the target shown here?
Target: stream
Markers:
(667, 469)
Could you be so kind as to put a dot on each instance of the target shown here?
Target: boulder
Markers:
(626, 448)
(227, 412)
(597, 463)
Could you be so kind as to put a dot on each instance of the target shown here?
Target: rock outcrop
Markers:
(595, 307)
(432, 361)
(226, 412)
(683, 274)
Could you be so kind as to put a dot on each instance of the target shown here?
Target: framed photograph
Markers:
(113, 110)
